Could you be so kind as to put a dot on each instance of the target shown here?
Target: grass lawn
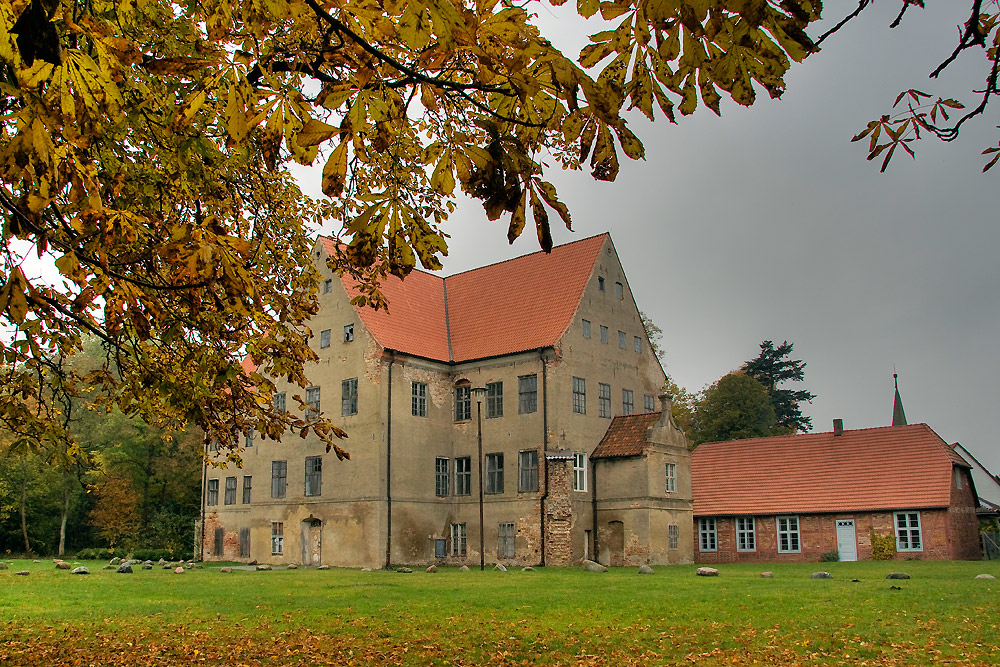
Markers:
(547, 617)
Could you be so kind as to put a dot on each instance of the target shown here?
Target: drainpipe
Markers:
(593, 500)
(545, 446)
(204, 484)
(388, 466)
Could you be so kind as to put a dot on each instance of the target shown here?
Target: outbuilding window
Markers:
(908, 537)
(746, 536)
(706, 534)
(788, 534)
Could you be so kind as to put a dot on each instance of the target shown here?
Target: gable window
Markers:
(418, 399)
(247, 487)
(579, 471)
(349, 397)
(637, 344)
(279, 401)
(505, 540)
(327, 286)
(312, 400)
(244, 543)
(230, 498)
(603, 399)
(527, 471)
(248, 438)
(908, 531)
(278, 470)
(314, 475)
(277, 538)
(463, 403)
(600, 283)
(494, 473)
(494, 399)
(673, 536)
(788, 534)
(212, 492)
(619, 290)
(348, 333)
(647, 403)
(458, 539)
(324, 338)
(621, 340)
(579, 396)
(463, 476)
(220, 541)
(627, 404)
(441, 476)
(586, 328)
(706, 534)
(671, 477)
(746, 534)
(527, 394)
(604, 334)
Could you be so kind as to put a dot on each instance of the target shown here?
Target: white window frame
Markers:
(789, 534)
(277, 538)
(442, 475)
(746, 534)
(459, 540)
(673, 537)
(313, 401)
(707, 536)
(580, 471)
(418, 399)
(670, 477)
(906, 533)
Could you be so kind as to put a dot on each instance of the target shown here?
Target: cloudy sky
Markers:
(767, 223)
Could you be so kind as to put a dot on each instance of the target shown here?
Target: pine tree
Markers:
(772, 367)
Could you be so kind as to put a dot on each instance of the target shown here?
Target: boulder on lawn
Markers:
(124, 568)
(501, 567)
(767, 575)
(985, 576)
(63, 565)
(591, 566)
(179, 570)
(645, 569)
(707, 572)
(432, 569)
(897, 575)
(225, 570)
(821, 575)
(80, 570)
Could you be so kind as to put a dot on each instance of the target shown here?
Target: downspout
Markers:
(593, 500)
(388, 466)
(204, 478)
(545, 447)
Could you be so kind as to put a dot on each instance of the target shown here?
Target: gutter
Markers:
(545, 447)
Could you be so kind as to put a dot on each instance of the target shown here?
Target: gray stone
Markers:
(116, 561)
(821, 575)
(147, 566)
(80, 570)
(109, 566)
(197, 566)
(707, 572)
(225, 570)
(167, 566)
(404, 570)
(432, 569)
(897, 575)
(645, 569)
(292, 566)
(22, 573)
(179, 570)
(591, 566)
(527, 568)
(124, 568)
(464, 568)
(323, 567)
(147, 562)
(500, 566)
(263, 567)
(985, 576)
(3, 566)
(767, 575)
(62, 565)
(161, 562)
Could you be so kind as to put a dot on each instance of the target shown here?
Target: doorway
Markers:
(847, 544)
(312, 541)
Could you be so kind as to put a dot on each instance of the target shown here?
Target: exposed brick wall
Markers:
(559, 513)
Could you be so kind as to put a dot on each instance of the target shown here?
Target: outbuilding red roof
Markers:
(626, 436)
(521, 304)
(887, 468)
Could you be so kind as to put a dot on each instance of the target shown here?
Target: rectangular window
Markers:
(637, 344)
(788, 534)
(312, 400)
(324, 338)
(627, 405)
(600, 283)
(621, 340)
(213, 445)
(958, 478)
(220, 541)
(604, 334)
(527, 471)
(494, 399)
(908, 531)
(230, 498)
(619, 290)
(244, 543)
(247, 488)
(348, 333)
(441, 476)
(248, 438)
(527, 394)
(706, 534)
(463, 403)
(579, 395)
(586, 328)
(671, 477)
(579, 471)
(647, 403)
(277, 538)
(458, 539)
(673, 536)
(418, 399)
(603, 399)
(505, 540)
(327, 286)
(212, 493)
(279, 401)
(494, 473)
(278, 471)
(463, 476)
(746, 535)
(314, 475)
(349, 397)
(440, 548)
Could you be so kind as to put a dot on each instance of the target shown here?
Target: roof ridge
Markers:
(830, 433)
(537, 252)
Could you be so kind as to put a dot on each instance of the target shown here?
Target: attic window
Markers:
(600, 283)
(619, 290)
(348, 333)
(327, 285)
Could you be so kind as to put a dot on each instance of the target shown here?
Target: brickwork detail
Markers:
(559, 513)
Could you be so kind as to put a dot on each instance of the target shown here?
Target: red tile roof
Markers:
(626, 436)
(892, 467)
(521, 304)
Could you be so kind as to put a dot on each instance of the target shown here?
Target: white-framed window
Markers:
(458, 539)
(441, 476)
(628, 402)
(706, 534)
(527, 394)
(313, 401)
(494, 399)
(277, 538)
(349, 397)
(494, 473)
(670, 477)
(621, 340)
(673, 536)
(324, 338)
(314, 475)
(604, 334)
(586, 328)
(603, 399)
(579, 396)
(505, 540)
(788, 534)
(348, 333)
(418, 399)
(527, 471)
(463, 403)
(579, 471)
(908, 536)
(746, 535)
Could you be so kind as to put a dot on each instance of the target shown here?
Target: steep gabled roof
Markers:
(626, 436)
(893, 467)
(521, 304)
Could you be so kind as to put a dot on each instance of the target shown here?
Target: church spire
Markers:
(898, 416)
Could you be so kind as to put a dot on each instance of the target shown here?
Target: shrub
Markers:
(883, 546)
(95, 553)
(830, 557)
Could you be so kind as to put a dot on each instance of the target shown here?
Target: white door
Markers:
(847, 545)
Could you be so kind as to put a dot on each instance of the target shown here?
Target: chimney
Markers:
(838, 427)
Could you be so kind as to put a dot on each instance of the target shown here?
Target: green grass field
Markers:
(547, 617)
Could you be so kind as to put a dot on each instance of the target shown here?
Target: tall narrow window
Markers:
(349, 397)
(586, 328)
(327, 286)
(277, 538)
(213, 445)
(247, 488)
(788, 534)
(324, 338)
(527, 394)
(621, 340)
(312, 400)
(348, 333)
(244, 542)
(673, 536)
(279, 401)
(278, 471)
(604, 334)
(248, 438)
(706, 534)
(494, 399)
(527, 471)
(603, 399)
(463, 403)
(627, 405)
(458, 540)
(746, 534)
(671, 477)
(600, 283)
(314, 475)
(418, 399)
(230, 498)
(505, 540)
(463, 476)
(619, 290)
(579, 395)
(212, 492)
(494, 473)
(647, 403)
(579, 471)
(441, 476)
(908, 537)
(637, 344)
